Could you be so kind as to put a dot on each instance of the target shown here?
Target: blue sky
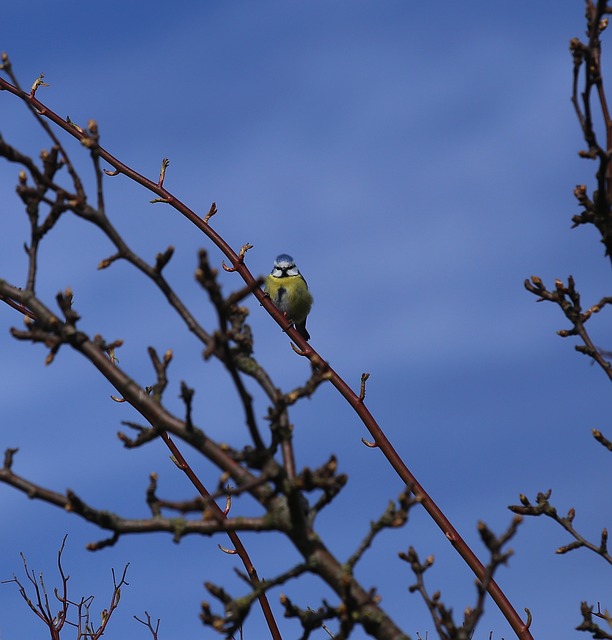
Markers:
(418, 162)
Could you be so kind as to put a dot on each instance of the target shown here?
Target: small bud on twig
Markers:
(211, 213)
(38, 83)
(162, 172)
(362, 392)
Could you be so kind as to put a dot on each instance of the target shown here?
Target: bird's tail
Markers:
(301, 328)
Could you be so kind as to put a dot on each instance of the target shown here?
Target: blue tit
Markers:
(289, 292)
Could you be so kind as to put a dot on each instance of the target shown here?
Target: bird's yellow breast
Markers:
(290, 295)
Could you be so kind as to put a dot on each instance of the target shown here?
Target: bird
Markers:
(289, 292)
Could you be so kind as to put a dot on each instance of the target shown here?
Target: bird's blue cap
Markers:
(284, 257)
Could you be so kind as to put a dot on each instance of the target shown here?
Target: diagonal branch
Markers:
(303, 348)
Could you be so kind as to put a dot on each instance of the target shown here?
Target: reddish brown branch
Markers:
(221, 518)
(165, 423)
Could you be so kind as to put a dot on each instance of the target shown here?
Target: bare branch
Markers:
(544, 507)
(55, 622)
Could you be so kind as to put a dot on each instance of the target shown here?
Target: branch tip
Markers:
(37, 83)
(371, 445)
(211, 212)
(239, 259)
(162, 172)
(231, 552)
(9, 455)
(362, 391)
